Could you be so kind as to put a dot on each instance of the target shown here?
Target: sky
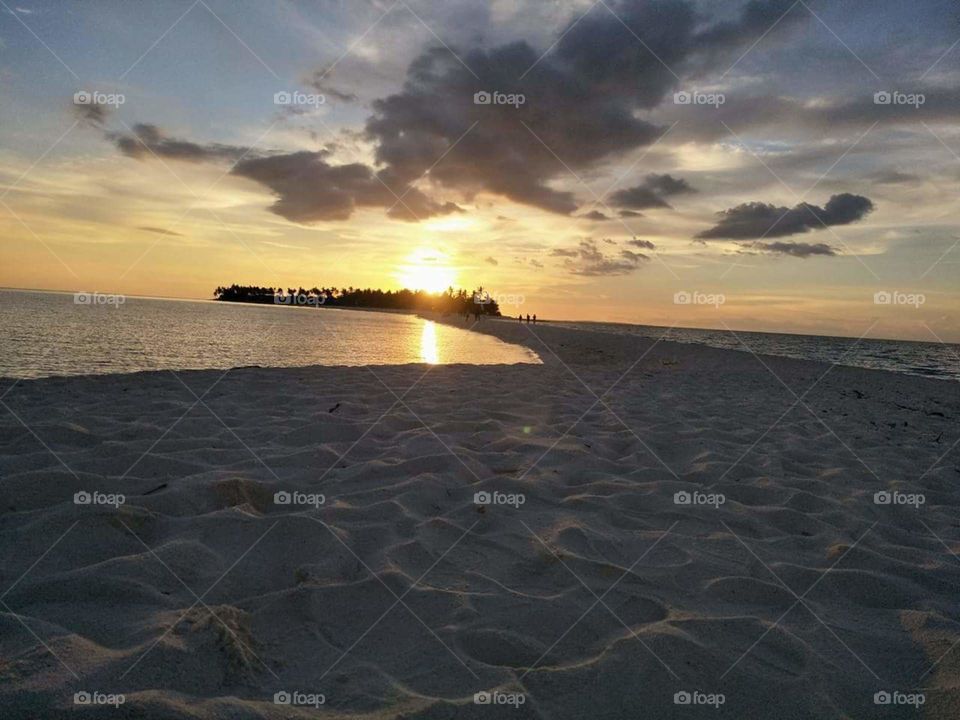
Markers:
(767, 165)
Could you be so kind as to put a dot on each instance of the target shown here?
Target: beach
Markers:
(633, 528)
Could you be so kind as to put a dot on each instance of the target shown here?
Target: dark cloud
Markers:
(149, 140)
(594, 215)
(651, 192)
(757, 19)
(630, 214)
(667, 185)
(491, 261)
(827, 117)
(92, 113)
(754, 220)
(589, 260)
(159, 231)
(536, 263)
(309, 189)
(585, 101)
(636, 242)
(801, 250)
(638, 197)
(320, 82)
(894, 177)
(561, 252)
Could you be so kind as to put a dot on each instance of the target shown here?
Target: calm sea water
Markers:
(936, 360)
(44, 334)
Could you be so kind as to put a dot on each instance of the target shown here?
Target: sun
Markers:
(427, 269)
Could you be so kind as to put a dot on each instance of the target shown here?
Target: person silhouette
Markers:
(528, 318)
(520, 317)
(534, 319)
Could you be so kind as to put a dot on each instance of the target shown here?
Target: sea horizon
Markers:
(924, 359)
(507, 316)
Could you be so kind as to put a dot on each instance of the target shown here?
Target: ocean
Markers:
(47, 333)
(924, 359)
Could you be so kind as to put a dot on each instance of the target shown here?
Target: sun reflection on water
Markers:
(428, 343)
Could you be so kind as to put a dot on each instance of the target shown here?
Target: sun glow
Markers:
(427, 269)
(451, 223)
(428, 344)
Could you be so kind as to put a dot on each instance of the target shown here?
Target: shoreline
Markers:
(507, 317)
(621, 347)
(599, 346)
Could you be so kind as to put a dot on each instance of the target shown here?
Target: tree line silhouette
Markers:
(449, 301)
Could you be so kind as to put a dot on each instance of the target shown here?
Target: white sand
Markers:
(799, 597)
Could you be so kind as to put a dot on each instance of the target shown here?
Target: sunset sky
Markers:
(786, 184)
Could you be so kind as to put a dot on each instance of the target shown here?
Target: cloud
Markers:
(148, 140)
(585, 102)
(639, 197)
(668, 185)
(800, 250)
(651, 192)
(589, 260)
(636, 242)
(536, 263)
(755, 220)
(309, 189)
(491, 261)
(321, 83)
(561, 252)
(894, 177)
(822, 116)
(630, 214)
(92, 113)
(159, 231)
(594, 215)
